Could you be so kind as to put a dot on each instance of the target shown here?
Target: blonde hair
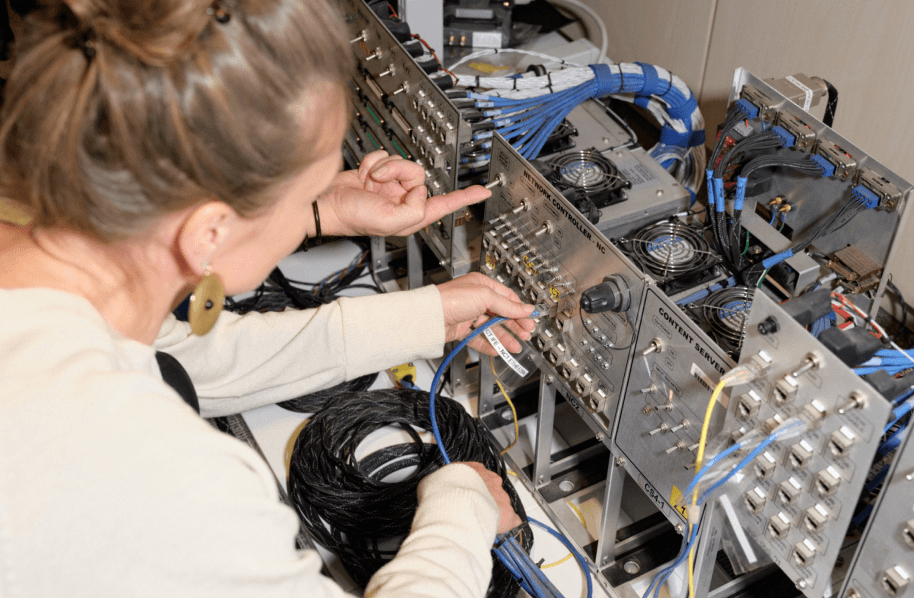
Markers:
(118, 111)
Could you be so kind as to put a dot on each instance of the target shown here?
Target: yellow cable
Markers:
(510, 404)
(698, 459)
(578, 513)
(569, 555)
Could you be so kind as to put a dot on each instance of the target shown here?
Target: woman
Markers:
(166, 147)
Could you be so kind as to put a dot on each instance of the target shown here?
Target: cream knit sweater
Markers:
(111, 486)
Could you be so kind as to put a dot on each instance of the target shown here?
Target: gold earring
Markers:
(206, 303)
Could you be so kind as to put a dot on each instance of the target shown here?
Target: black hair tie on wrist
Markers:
(318, 237)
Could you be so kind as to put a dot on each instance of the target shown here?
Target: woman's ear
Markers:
(204, 231)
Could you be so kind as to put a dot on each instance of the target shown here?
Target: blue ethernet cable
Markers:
(518, 563)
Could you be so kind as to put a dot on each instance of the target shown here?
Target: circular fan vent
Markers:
(587, 170)
(671, 249)
(725, 312)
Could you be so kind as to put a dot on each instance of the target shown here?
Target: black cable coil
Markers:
(346, 504)
(316, 401)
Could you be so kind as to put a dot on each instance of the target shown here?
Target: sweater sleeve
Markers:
(448, 552)
(258, 359)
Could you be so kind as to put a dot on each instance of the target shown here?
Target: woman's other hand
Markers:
(472, 299)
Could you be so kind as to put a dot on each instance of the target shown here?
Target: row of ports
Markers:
(834, 160)
(827, 481)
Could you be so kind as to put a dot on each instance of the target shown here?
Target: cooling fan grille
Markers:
(725, 313)
(586, 170)
(671, 249)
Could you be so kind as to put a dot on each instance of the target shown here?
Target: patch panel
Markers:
(798, 499)
(538, 244)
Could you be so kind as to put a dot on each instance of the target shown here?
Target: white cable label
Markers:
(509, 359)
(808, 101)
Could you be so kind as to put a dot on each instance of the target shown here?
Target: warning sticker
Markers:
(639, 174)
(675, 495)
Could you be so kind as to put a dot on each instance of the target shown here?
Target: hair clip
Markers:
(220, 14)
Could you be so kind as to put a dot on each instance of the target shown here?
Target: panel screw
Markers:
(600, 436)
(679, 529)
(620, 461)
(550, 379)
(631, 567)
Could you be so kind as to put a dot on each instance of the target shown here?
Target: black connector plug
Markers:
(613, 294)
(853, 346)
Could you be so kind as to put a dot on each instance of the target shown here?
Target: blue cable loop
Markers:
(719, 194)
(741, 183)
(661, 577)
(438, 374)
(531, 577)
(777, 258)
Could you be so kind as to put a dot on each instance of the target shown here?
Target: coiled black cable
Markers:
(316, 401)
(345, 502)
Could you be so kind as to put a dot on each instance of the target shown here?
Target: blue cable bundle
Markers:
(528, 122)
(508, 551)
(687, 543)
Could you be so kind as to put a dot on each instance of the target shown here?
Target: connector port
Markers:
(803, 136)
(815, 518)
(895, 580)
(840, 441)
(569, 368)
(748, 405)
(908, 533)
(755, 500)
(827, 481)
(787, 140)
(804, 552)
(886, 194)
(866, 197)
(778, 526)
(789, 491)
(584, 383)
(598, 399)
(843, 163)
(546, 339)
(557, 354)
(764, 106)
(800, 454)
(785, 389)
(765, 465)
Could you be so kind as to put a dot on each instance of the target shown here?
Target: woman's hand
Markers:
(387, 196)
(472, 299)
(507, 518)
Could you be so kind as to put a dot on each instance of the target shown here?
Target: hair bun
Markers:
(155, 33)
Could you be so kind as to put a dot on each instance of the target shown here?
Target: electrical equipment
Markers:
(539, 245)
(675, 368)
(797, 500)
(477, 23)
(792, 213)
(398, 106)
(782, 205)
(882, 566)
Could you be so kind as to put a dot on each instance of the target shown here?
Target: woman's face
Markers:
(256, 244)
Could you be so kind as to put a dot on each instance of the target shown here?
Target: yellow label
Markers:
(526, 259)
(675, 495)
(554, 292)
(484, 67)
(490, 261)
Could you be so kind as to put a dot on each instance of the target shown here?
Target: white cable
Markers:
(574, 5)
(490, 51)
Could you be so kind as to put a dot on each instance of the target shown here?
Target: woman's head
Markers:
(119, 112)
